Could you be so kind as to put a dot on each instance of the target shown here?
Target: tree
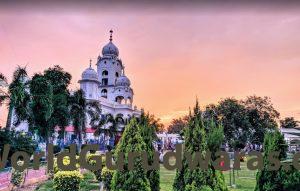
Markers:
(136, 179)
(177, 125)
(18, 141)
(289, 122)
(41, 106)
(77, 113)
(155, 122)
(262, 117)
(19, 97)
(244, 121)
(107, 124)
(60, 80)
(149, 136)
(272, 180)
(199, 138)
(233, 117)
(80, 110)
(3, 83)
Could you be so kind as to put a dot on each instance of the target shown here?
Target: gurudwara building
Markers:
(108, 85)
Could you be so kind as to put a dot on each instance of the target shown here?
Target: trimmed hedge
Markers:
(67, 180)
(97, 173)
(66, 161)
(106, 176)
(17, 177)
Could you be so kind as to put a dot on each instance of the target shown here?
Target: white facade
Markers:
(109, 85)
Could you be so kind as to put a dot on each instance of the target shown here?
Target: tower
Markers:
(89, 83)
(114, 85)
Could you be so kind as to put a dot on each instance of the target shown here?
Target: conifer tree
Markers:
(197, 140)
(272, 180)
(136, 179)
(148, 134)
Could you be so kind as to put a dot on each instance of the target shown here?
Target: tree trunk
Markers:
(79, 140)
(9, 117)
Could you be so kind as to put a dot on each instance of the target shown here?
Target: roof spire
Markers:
(110, 37)
(90, 62)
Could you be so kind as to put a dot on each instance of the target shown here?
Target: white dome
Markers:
(122, 81)
(89, 74)
(110, 49)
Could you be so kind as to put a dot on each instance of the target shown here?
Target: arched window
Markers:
(119, 99)
(119, 119)
(105, 73)
(117, 74)
(104, 93)
(129, 100)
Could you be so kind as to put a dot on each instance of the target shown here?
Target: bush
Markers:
(17, 177)
(106, 176)
(136, 179)
(97, 173)
(67, 181)
(18, 141)
(273, 180)
(56, 149)
(200, 135)
(66, 161)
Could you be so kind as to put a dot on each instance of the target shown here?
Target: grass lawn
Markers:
(87, 184)
(244, 181)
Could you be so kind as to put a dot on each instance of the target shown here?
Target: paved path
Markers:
(32, 176)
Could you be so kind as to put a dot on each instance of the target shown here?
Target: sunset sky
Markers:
(172, 54)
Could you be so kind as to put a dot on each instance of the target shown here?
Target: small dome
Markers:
(122, 81)
(110, 49)
(89, 74)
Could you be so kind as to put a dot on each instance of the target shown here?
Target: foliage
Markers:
(18, 97)
(106, 176)
(77, 113)
(18, 141)
(276, 180)
(136, 179)
(67, 180)
(60, 80)
(3, 94)
(17, 176)
(42, 100)
(66, 161)
(97, 173)
(289, 122)
(147, 130)
(262, 117)
(106, 123)
(177, 125)
(244, 121)
(198, 140)
(234, 119)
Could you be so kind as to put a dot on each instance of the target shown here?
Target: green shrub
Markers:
(273, 180)
(200, 135)
(106, 176)
(56, 149)
(147, 129)
(18, 141)
(17, 177)
(136, 179)
(67, 181)
(66, 161)
(97, 173)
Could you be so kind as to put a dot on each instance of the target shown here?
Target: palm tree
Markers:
(107, 124)
(19, 97)
(79, 109)
(3, 94)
